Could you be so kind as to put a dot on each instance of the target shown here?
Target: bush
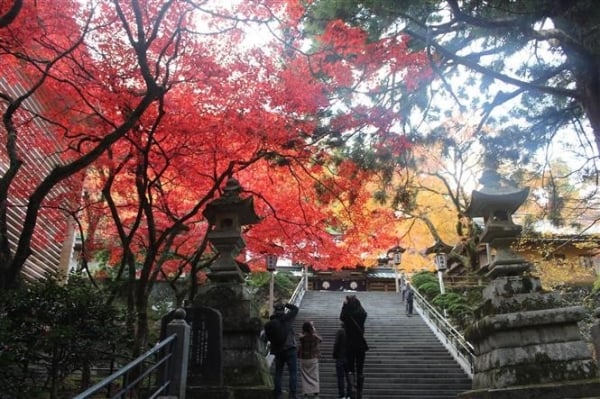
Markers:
(48, 330)
(423, 277)
(459, 307)
(427, 284)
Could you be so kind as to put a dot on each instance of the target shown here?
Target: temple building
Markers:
(38, 148)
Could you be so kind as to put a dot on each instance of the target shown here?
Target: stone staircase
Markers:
(405, 360)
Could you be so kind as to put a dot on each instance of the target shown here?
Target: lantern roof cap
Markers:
(232, 202)
(496, 193)
(395, 249)
(439, 247)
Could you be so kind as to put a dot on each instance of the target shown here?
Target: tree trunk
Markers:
(588, 84)
(141, 307)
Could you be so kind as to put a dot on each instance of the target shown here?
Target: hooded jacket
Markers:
(286, 318)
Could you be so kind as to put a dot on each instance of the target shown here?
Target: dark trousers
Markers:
(340, 373)
(288, 357)
(355, 363)
(409, 306)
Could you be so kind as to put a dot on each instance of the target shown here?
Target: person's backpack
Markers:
(276, 332)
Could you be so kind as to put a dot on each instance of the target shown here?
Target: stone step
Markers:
(405, 359)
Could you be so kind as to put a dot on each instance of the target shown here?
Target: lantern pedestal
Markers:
(244, 363)
(524, 337)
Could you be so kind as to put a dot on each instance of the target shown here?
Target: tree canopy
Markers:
(326, 113)
(150, 106)
(533, 63)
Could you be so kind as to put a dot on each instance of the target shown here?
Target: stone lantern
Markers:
(227, 215)
(244, 369)
(527, 345)
(496, 202)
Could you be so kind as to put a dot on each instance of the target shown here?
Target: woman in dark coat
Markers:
(353, 316)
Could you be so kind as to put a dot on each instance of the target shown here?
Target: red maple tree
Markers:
(160, 102)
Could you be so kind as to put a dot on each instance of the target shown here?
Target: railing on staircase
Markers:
(462, 351)
(157, 373)
(161, 370)
(299, 292)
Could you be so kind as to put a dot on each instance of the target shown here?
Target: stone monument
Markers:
(526, 344)
(245, 369)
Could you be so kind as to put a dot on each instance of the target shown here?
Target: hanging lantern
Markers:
(441, 261)
(271, 262)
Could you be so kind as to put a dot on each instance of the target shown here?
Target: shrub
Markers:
(456, 306)
(423, 277)
(48, 330)
(427, 284)
(429, 289)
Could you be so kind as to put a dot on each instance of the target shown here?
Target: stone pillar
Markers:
(179, 361)
(527, 345)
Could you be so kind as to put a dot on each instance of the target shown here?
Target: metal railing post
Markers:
(179, 361)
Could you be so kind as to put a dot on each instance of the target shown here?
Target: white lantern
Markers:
(271, 262)
(441, 261)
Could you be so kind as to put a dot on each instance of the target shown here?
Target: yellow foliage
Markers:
(555, 272)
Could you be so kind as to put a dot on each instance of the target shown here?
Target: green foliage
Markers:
(258, 280)
(458, 306)
(596, 286)
(427, 284)
(448, 299)
(429, 289)
(421, 278)
(48, 330)
(284, 285)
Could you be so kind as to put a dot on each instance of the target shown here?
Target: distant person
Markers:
(308, 352)
(410, 296)
(339, 354)
(280, 333)
(403, 287)
(353, 315)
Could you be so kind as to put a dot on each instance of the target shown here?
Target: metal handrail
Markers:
(299, 292)
(124, 372)
(461, 349)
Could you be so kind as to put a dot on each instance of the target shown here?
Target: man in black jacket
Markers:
(353, 315)
(285, 353)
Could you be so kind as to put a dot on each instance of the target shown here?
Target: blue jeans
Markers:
(288, 357)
